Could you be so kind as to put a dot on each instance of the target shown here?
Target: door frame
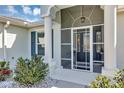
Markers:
(91, 47)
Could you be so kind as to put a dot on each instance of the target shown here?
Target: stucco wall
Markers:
(17, 44)
(120, 40)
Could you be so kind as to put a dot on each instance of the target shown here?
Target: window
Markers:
(98, 48)
(52, 43)
(86, 42)
(78, 42)
(66, 48)
(40, 43)
(33, 43)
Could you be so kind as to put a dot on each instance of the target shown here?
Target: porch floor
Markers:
(79, 77)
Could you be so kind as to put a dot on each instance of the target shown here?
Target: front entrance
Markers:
(82, 48)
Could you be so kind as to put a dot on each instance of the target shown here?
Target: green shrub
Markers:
(2, 77)
(119, 79)
(104, 82)
(29, 72)
(101, 82)
(4, 65)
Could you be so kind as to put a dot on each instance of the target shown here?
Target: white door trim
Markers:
(91, 46)
(71, 48)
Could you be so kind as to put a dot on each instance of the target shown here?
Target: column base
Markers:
(52, 67)
(109, 72)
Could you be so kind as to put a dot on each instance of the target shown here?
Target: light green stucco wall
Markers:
(120, 40)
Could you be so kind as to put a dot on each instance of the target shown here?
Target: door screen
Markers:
(81, 49)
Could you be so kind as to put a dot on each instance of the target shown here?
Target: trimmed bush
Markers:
(104, 82)
(119, 79)
(101, 82)
(29, 72)
(4, 65)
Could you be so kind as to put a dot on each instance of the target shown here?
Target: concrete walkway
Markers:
(78, 77)
(65, 84)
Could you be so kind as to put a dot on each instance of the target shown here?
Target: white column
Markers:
(109, 40)
(48, 39)
(4, 43)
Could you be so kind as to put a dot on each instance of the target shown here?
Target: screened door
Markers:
(81, 49)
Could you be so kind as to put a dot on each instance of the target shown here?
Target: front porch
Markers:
(79, 77)
(76, 49)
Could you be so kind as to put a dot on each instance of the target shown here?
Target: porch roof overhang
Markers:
(50, 10)
(19, 22)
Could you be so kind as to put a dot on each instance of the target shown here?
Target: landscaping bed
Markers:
(47, 83)
(10, 83)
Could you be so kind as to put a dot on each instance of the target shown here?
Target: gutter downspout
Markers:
(4, 39)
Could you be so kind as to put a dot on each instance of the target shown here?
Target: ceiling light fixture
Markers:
(83, 18)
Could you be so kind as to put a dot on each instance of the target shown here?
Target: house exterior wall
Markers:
(17, 44)
(120, 38)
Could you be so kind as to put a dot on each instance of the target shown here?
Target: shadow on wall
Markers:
(9, 42)
(10, 39)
